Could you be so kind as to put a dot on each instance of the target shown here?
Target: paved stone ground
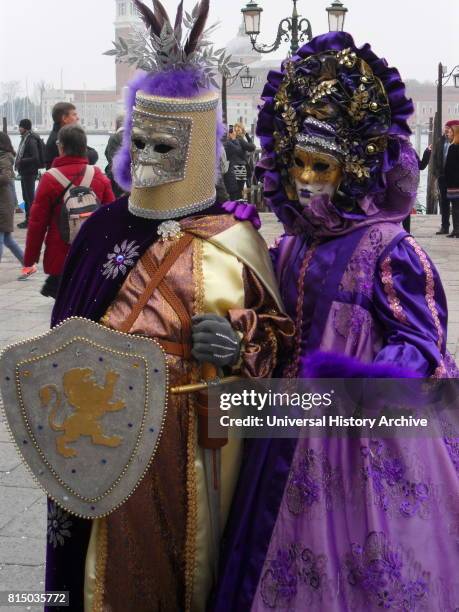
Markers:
(24, 312)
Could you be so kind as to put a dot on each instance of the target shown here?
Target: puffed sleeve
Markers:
(266, 332)
(411, 307)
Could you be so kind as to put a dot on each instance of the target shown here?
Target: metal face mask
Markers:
(159, 148)
(314, 174)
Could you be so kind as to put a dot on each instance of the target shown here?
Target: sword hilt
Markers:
(205, 412)
(203, 385)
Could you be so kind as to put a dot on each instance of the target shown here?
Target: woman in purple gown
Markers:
(339, 524)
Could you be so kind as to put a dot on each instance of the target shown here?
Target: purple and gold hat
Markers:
(335, 98)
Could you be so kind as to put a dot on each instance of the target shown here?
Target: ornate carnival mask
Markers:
(313, 174)
(173, 152)
(159, 148)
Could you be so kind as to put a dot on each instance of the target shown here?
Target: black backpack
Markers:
(41, 150)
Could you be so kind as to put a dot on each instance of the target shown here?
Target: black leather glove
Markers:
(214, 340)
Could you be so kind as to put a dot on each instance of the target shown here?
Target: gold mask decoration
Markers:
(313, 174)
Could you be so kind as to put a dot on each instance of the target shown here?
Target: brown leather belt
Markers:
(175, 348)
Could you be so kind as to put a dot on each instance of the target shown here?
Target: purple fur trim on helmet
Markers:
(122, 166)
(172, 84)
(371, 199)
(333, 365)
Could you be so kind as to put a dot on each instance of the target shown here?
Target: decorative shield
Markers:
(86, 407)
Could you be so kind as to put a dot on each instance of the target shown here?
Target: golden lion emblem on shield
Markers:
(90, 401)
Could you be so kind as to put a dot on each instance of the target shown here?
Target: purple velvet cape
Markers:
(85, 291)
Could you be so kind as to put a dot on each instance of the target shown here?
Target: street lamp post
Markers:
(247, 82)
(336, 16)
(443, 78)
(294, 29)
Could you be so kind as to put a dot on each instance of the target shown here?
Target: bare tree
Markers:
(39, 91)
(9, 91)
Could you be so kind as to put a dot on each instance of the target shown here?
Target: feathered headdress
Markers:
(163, 47)
(174, 61)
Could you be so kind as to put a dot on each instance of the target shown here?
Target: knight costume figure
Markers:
(346, 523)
(168, 263)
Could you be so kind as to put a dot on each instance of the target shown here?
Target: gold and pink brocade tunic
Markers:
(154, 553)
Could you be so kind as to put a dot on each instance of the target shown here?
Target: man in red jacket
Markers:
(45, 211)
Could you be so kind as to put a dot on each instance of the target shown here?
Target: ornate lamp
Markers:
(293, 29)
(247, 79)
(252, 17)
(336, 16)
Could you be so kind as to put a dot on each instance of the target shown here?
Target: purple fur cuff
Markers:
(243, 211)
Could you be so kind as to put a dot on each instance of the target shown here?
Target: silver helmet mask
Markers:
(159, 148)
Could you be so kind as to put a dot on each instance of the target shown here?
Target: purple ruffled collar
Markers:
(323, 219)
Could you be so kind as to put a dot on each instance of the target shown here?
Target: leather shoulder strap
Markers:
(177, 249)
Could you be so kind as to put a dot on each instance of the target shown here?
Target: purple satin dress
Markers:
(366, 524)
(344, 524)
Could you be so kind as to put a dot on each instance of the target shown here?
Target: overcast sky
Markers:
(38, 38)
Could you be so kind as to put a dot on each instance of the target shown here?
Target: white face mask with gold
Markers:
(313, 174)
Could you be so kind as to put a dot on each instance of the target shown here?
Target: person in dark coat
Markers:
(440, 153)
(423, 163)
(43, 226)
(114, 144)
(8, 200)
(452, 180)
(237, 147)
(27, 165)
(425, 159)
(64, 113)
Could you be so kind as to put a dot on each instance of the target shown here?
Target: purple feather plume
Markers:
(333, 365)
(161, 14)
(198, 27)
(148, 17)
(178, 23)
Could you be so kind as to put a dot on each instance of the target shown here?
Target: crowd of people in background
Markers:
(67, 150)
(44, 223)
(64, 159)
